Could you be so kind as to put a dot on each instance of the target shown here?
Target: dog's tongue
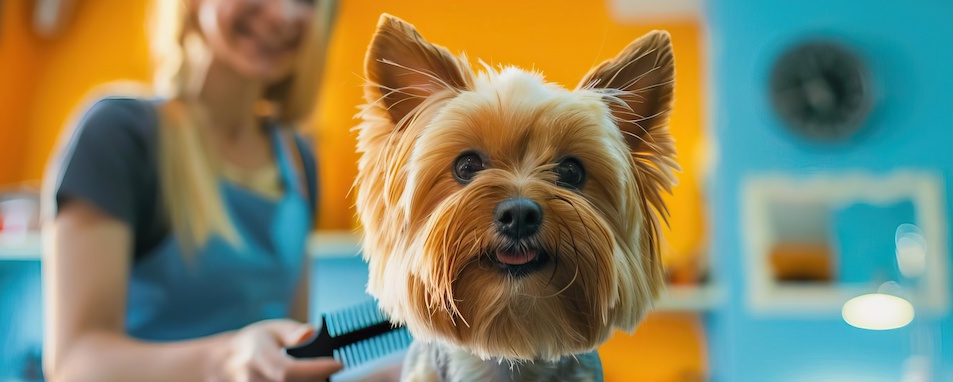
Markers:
(516, 258)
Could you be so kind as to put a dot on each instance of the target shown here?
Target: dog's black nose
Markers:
(518, 217)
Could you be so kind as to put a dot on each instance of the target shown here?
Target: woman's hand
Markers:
(256, 353)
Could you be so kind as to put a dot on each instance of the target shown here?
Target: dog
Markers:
(510, 223)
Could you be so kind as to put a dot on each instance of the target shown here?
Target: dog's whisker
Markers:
(632, 82)
(649, 87)
(642, 119)
(651, 145)
(436, 80)
(626, 65)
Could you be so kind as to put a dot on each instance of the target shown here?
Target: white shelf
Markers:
(25, 246)
(334, 244)
(689, 298)
(321, 245)
(765, 296)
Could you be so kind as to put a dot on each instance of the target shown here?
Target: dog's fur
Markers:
(430, 240)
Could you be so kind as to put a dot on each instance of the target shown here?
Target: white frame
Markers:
(924, 189)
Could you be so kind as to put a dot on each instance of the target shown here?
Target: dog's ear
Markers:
(639, 86)
(403, 69)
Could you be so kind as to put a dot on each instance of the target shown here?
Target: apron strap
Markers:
(294, 160)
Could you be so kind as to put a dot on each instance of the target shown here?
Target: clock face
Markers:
(821, 90)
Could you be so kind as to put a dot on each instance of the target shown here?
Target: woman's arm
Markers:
(301, 306)
(85, 270)
(86, 265)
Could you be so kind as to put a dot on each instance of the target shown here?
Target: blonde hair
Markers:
(189, 176)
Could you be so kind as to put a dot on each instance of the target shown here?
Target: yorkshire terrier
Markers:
(510, 223)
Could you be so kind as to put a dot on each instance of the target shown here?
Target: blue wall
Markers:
(21, 321)
(337, 283)
(908, 47)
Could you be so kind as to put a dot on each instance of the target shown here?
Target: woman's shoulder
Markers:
(119, 118)
(110, 158)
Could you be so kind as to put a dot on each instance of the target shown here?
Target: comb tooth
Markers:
(352, 355)
(348, 321)
(373, 351)
(355, 355)
(340, 324)
(379, 347)
(330, 320)
(359, 317)
(347, 357)
(365, 352)
(369, 315)
(385, 343)
(390, 340)
(358, 353)
(343, 323)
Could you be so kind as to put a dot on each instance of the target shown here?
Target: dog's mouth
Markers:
(519, 261)
(516, 257)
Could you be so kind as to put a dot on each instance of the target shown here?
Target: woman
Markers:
(176, 249)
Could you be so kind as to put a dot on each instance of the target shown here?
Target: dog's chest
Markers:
(439, 363)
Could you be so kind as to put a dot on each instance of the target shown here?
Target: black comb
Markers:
(354, 336)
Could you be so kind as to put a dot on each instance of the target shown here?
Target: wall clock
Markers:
(821, 90)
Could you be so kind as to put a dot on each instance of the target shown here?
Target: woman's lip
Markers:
(265, 42)
(516, 257)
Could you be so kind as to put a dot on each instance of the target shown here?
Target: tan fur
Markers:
(427, 236)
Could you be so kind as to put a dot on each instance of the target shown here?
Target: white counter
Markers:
(321, 245)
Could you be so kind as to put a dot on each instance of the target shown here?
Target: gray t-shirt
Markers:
(111, 161)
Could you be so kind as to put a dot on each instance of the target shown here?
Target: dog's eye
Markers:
(570, 173)
(466, 166)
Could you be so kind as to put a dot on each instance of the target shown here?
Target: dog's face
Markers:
(508, 215)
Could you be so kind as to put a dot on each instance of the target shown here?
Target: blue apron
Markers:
(224, 287)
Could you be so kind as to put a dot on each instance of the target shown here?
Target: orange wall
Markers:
(105, 42)
(19, 64)
(667, 347)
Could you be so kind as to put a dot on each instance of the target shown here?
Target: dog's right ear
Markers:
(403, 69)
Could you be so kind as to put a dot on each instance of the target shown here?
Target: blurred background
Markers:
(809, 236)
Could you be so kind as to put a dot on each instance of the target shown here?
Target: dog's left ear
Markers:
(403, 69)
(639, 85)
